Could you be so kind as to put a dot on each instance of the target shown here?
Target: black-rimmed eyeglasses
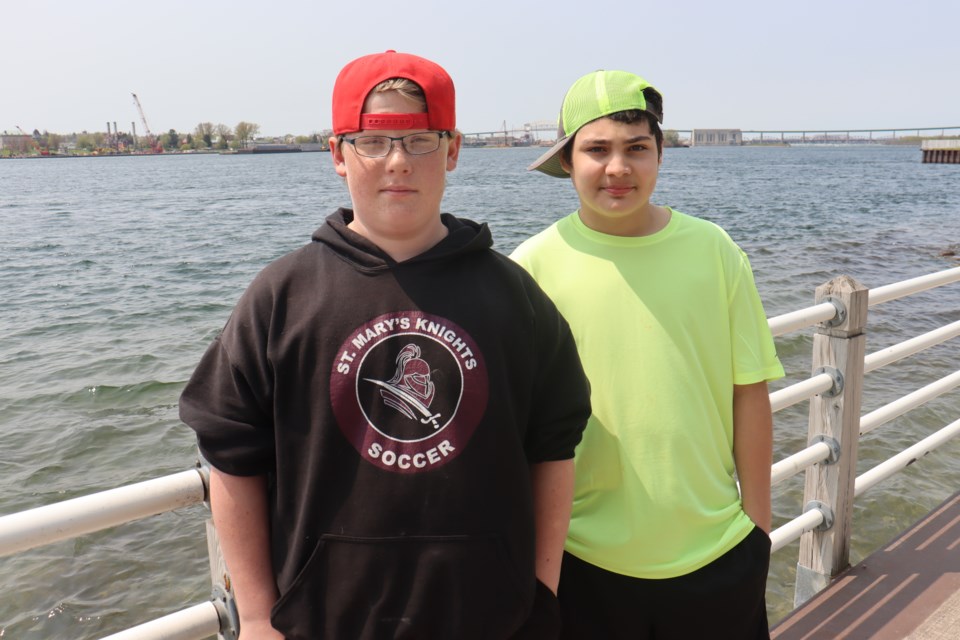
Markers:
(416, 144)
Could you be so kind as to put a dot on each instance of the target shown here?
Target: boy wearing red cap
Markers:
(675, 342)
(391, 411)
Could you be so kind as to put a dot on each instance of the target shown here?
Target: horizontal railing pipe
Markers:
(905, 458)
(794, 464)
(909, 347)
(809, 316)
(197, 622)
(79, 516)
(901, 405)
(807, 521)
(789, 396)
(801, 319)
(914, 285)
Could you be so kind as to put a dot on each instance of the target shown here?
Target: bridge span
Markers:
(845, 136)
(543, 132)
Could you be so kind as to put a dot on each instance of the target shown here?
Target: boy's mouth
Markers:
(398, 189)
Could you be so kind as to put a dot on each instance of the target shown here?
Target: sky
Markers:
(71, 65)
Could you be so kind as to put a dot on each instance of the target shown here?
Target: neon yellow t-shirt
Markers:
(666, 325)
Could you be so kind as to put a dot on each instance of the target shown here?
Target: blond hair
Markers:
(403, 86)
(408, 89)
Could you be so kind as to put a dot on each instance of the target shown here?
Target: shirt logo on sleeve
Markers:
(409, 390)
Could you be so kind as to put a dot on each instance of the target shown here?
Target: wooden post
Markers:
(222, 594)
(838, 349)
(223, 598)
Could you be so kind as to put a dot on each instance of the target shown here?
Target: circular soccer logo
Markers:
(408, 391)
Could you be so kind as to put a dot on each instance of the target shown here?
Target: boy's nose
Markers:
(618, 165)
(397, 156)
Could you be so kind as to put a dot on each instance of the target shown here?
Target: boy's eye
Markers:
(371, 142)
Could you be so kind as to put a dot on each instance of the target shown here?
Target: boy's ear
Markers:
(563, 163)
(453, 150)
(336, 153)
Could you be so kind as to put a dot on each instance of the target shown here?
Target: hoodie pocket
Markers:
(406, 587)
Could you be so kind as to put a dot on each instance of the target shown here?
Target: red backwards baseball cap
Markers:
(363, 74)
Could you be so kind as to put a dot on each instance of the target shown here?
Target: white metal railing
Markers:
(820, 452)
(198, 622)
(910, 401)
(834, 348)
(913, 285)
(810, 520)
(906, 457)
(79, 516)
(909, 347)
(809, 316)
(806, 389)
(784, 535)
(792, 465)
(801, 319)
(789, 396)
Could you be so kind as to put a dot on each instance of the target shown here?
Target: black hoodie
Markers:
(396, 408)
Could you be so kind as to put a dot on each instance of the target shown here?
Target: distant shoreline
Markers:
(267, 152)
(204, 152)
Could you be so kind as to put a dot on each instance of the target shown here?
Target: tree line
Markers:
(205, 136)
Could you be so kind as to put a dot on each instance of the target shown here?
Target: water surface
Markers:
(116, 273)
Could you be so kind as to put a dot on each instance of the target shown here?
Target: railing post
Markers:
(838, 349)
(223, 598)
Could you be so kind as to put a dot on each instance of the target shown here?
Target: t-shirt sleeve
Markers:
(561, 398)
(754, 354)
(228, 398)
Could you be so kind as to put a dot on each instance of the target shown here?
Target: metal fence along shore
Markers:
(824, 527)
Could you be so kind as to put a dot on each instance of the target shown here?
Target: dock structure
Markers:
(908, 589)
(941, 151)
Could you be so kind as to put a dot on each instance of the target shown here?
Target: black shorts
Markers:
(725, 599)
(544, 620)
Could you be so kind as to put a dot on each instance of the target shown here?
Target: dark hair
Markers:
(633, 116)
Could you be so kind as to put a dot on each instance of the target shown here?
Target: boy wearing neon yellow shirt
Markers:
(675, 342)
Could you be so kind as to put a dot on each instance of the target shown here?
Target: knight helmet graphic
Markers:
(410, 391)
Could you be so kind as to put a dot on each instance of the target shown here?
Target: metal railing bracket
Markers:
(825, 511)
(226, 607)
(830, 442)
(837, 376)
(841, 308)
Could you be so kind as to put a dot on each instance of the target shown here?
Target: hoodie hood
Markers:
(465, 236)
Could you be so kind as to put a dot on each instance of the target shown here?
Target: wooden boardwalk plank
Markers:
(908, 589)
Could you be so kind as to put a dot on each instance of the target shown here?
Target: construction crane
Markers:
(33, 141)
(155, 145)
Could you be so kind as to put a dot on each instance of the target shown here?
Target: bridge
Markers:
(844, 136)
(543, 131)
(526, 135)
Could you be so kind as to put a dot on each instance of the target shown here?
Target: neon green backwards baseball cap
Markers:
(594, 96)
